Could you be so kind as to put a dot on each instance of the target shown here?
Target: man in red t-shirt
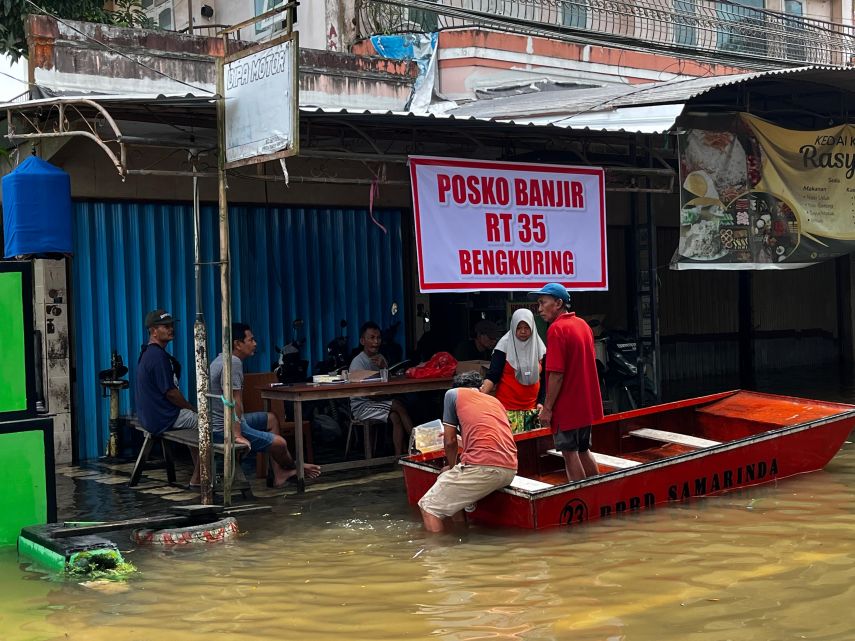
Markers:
(489, 458)
(573, 401)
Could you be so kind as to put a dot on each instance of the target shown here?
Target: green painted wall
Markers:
(13, 379)
(23, 500)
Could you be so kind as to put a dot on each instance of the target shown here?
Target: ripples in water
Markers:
(767, 563)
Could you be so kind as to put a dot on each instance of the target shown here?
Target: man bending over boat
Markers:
(489, 458)
(573, 401)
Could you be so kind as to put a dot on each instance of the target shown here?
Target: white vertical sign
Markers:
(261, 104)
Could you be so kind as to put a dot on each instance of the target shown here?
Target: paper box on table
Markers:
(473, 366)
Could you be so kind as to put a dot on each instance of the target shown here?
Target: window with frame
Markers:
(743, 28)
(574, 13)
(685, 21)
(160, 11)
(270, 24)
(797, 30)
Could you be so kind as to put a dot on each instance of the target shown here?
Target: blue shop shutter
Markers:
(318, 264)
(36, 210)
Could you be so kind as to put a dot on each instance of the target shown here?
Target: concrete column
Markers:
(51, 319)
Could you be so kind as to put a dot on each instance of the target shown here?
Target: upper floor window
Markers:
(797, 31)
(685, 23)
(264, 26)
(574, 13)
(160, 11)
(743, 30)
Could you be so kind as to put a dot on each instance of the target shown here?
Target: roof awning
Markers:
(655, 107)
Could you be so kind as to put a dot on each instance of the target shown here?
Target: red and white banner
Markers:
(508, 226)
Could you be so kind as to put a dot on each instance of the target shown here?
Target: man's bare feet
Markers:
(310, 470)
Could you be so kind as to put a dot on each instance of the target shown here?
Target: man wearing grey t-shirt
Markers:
(258, 430)
(378, 409)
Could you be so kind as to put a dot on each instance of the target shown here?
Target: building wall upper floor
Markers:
(323, 24)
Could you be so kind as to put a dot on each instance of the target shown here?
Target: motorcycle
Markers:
(290, 367)
(338, 353)
(618, 365)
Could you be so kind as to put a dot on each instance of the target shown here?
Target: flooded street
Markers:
(352, 562)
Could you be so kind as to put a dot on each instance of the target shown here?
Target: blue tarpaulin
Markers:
(36, 210)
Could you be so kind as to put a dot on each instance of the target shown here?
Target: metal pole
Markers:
(200, 349)
(190, 31)
(225, 291)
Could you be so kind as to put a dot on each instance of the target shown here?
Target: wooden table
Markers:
(321, 391)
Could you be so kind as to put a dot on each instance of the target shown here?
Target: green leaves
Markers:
(13, 14)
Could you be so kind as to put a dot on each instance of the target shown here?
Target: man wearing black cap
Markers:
(487, 333)
(160, 405)
(573, 401)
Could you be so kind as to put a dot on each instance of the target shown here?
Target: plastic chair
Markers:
(366, 426)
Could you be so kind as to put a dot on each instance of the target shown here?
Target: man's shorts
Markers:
(578, 440)
(253, 427)
(187, 420)
(463, 485)
(370, 409)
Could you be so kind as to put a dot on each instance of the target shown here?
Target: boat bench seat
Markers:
(527, 484)
(605, 459)
(673, 437)
(188, 437)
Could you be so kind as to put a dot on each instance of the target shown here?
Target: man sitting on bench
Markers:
(160, 405)
(258, 430)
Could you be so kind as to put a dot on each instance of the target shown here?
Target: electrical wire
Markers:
(26, 82)
(116, 51)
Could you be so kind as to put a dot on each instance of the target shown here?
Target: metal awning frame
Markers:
(328, 136)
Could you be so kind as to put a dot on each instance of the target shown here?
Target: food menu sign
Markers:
(508, 226)
(758, 196)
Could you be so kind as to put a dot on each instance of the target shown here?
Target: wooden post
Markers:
(225, 287)
(200, 351)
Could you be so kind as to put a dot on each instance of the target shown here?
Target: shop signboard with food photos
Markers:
(759, 196)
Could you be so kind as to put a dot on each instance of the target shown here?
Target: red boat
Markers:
(672, 452)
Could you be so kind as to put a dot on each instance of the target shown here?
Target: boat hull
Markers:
(763, 457)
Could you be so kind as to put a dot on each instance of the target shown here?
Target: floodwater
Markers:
(770, 563)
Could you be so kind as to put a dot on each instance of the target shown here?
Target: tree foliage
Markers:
(13, 14)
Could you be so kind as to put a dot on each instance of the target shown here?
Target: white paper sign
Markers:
(508, 226)
(259, 91)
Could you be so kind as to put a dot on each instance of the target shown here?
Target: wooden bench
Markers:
(188, 437)
(673, 437)
(527, 484)
(605, 459)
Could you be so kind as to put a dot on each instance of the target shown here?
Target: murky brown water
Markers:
(769, 563)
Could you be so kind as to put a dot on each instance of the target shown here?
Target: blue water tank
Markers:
(36, 210)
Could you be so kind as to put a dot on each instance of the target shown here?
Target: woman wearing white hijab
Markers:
(515, 372)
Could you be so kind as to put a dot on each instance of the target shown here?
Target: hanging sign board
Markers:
(261, 91)
(758, 196)
(508, 226)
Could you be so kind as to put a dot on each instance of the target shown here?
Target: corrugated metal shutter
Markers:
(321, 265)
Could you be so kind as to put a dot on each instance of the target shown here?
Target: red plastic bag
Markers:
(441, 365)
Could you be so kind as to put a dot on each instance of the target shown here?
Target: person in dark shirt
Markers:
(160, 405)
(481, 347)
